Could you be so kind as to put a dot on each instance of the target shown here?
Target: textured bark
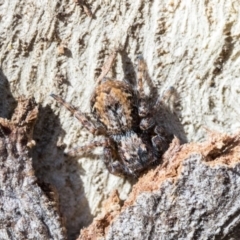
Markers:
(194, 195)
(27, 212)
(57, 47)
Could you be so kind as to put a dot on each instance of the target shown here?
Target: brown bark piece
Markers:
(193, 195)
(26, 211)
(111, 208)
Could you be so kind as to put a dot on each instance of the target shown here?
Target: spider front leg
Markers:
(141, 68)
(162, 140)
(108, 65)
(113, 166)
(86, 148)
(147, 123)
(79, 115)
(168, 98)
(143, 106)
(144, 110)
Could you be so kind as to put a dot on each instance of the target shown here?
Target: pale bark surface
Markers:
(54, 46)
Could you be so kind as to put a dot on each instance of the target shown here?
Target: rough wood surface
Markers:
(59, 47)
(195, 195)
(27, 212)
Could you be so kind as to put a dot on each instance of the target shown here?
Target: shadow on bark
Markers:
(53, 167)
(7, 101)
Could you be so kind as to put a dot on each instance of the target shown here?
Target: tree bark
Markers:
(193, 195)
(27, 212)
(60, 46)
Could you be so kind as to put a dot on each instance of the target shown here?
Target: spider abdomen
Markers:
(134, 154)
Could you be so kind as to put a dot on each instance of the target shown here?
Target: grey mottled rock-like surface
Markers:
(202, 204)
(194, 194)
(27, 212)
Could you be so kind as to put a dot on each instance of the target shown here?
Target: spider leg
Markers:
(113, 166)
(162, 140)
(81, 149)
(143, 103)
(147, 123)
(168, 98)
(160, 143)
(78, 114)
(107, 65)
(141, 68)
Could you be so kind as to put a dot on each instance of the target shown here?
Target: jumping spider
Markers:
(135, 136)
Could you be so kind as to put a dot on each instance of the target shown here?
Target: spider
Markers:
(131, 121)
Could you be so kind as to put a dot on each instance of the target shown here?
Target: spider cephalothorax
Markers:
(112, 103)
(134, 132)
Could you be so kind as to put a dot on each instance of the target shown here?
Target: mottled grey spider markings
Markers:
(134, 136)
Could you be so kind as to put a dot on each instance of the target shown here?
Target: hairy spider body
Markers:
(112, 103)
(135, 138)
